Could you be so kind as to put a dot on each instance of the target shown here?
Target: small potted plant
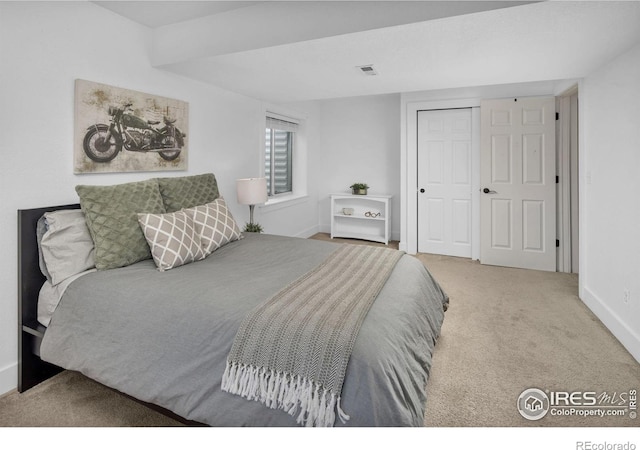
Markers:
(359, 188)
(253, 227)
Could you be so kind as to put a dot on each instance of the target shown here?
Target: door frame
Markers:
(409, 163)
(568, 185)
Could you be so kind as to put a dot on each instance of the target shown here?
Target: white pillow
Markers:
(172, 239)
(50, 296)
(214, 224)
(67, 247)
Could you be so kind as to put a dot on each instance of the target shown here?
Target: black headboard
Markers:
(31, 369)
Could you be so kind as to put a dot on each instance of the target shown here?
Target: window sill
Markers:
(283, 202)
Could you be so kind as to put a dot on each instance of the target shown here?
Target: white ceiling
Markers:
(293, 51)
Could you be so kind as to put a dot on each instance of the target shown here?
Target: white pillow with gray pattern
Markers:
(214, 224)
(172, 238)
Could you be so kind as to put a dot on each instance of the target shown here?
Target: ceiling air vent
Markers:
(368, 70)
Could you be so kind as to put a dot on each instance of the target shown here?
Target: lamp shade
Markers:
(251, 191)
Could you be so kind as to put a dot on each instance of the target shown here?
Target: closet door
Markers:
(444, 182)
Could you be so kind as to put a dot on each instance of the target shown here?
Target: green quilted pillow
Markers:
(112, 212)
(185, 192)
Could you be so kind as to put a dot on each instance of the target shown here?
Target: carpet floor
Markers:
(506, 330)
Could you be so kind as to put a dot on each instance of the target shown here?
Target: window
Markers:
(278, 158)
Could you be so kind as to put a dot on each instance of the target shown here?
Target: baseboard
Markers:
(627, 336)
(308, 232)
(8, 378)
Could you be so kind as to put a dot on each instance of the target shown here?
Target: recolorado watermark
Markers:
(588, 445)
(534, 404)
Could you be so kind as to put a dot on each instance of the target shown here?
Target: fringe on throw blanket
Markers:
(314, 405)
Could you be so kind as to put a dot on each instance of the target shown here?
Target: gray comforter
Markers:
(164, 337)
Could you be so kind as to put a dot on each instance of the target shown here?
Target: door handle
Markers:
(422, 191)
(488, 191)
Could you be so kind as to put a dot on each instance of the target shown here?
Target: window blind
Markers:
(280, 123)
(279, 140)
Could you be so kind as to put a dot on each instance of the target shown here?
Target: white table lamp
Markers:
(251, 191)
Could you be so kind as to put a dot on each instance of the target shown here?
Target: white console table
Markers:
(359, 224)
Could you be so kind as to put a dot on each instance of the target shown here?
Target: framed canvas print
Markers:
(120, 130)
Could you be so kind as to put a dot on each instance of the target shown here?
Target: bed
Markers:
(165, 337)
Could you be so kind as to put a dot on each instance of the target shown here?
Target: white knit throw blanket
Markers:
(291, 352)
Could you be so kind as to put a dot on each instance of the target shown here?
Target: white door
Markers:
(517, 178)
(444, 182)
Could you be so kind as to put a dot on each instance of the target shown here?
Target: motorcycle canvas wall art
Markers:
(121, 130)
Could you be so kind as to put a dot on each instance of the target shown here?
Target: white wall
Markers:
(359, 142)
(610, 196)
(45, 46)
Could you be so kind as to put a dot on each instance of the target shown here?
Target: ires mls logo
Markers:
(534, 404)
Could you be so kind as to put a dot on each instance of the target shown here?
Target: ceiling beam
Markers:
(269, 24)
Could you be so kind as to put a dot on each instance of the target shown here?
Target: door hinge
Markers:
(557, 242)
(557, 116)
(557, 179)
